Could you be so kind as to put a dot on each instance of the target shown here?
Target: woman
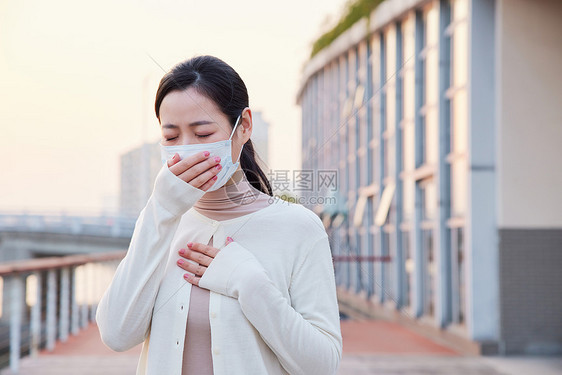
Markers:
(220, 278)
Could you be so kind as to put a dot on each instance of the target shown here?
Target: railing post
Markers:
(89, 293)
(64, 305)
(51, 309)
(73, 303)
(16, 301)
(36, 317)
(85, 296)
(93, 290)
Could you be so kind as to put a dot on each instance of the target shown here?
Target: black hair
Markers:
(218, 81)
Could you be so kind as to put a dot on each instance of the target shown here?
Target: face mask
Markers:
(221, 148)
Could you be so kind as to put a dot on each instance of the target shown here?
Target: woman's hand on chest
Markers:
(202, 255)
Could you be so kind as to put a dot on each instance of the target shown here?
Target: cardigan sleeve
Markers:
(305, 332)
(125, 310)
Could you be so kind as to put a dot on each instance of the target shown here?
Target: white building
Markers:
(139, 168)
(443, 119)
(260, 138)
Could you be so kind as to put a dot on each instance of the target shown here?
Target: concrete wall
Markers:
(529, 93)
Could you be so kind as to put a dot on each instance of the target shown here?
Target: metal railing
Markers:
(104, 225)
(45, 300)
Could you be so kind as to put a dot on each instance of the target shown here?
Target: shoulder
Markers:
(297, 218)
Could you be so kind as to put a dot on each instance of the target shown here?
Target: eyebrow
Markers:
(196, 123)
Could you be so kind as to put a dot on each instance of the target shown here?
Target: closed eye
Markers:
(203, 135)
(170, 139)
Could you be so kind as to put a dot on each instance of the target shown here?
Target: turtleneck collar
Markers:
(236, 198)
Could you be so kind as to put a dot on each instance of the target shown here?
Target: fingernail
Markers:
(181, 261)
(189, 244)
(219, 167)
(187, 276)
(229, 239)
(174, 157)
(214, 178)
(206, 153)
(217, 158)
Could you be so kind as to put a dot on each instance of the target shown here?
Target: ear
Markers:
(246, 125)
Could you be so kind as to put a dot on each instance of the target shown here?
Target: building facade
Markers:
(260, 139)
(442, 119)
(139, 168)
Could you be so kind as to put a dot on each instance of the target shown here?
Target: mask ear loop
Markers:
(233, 130)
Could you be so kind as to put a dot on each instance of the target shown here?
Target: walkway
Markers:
(370, 347)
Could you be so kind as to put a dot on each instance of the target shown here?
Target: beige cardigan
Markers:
(272, 308)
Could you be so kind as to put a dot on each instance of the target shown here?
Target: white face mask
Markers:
(223, 149)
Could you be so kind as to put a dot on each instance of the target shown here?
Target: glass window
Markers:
(388, 250)
(373, 238)
(408, 191)
(408, 71)
(459, 122)
(409, 267)
(460, 54)
(428, 271)
(390, 90)
(362, 114)
(459, 304)
(408, 115)
(460, 265)
(431, 85)
(429, 200)
(375, 105)
(344, 139)
(459, 107)
(459, 182)
(431, 136)
(351, 127)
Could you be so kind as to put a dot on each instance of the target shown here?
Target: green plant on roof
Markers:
(354, 11)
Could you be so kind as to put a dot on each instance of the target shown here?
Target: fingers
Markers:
(205, 249)
(197, 170)
(202, 255)
(196, 256)
(207, 177)
(173, 160)
(189, 162)
(192, 279)
(207, 185)
(196, 269)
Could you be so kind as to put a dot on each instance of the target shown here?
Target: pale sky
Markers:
(72, 97)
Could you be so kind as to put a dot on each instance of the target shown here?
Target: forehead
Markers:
(186, 106)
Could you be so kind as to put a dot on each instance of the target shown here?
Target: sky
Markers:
(78, 81)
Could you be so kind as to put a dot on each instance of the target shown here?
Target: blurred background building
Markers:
(443, 121)
(140, 166)
(260, 139)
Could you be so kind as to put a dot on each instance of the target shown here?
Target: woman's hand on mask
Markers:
(198, 170)
(202, 255)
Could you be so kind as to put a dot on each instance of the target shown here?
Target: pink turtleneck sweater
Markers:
(236, 198)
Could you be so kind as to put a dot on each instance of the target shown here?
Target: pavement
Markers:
(370, 347)
(83, 354)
